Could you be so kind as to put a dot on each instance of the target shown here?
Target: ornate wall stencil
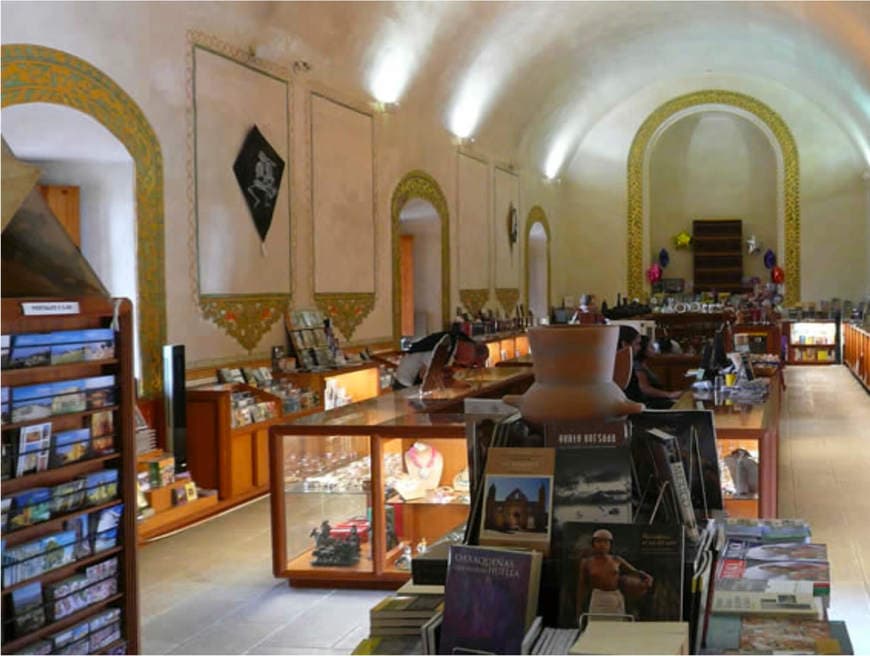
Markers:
(419, 184)
(508, 299)
(346, 311)
(791, 181)
(246, 319)
(536, 215)
(473, 300)
(34, 73)
(241, 279)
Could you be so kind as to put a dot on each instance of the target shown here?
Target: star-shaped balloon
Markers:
(753, 246)
(682, 239)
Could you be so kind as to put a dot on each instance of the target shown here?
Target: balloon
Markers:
(682, 239)
(654, 273)
(664, 258)
(769, 259)
(777, 275)
(753, 246)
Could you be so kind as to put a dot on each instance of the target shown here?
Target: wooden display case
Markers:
(335, 466)
(812, 341)
(759, 337)
(505, 346)
(856, 352)
(756, 429)
(92, 313)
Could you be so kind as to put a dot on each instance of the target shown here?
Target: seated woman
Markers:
(649, 385)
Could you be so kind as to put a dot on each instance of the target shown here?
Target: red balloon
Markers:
(777, 275)
(654, 273)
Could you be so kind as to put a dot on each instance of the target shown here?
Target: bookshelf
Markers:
(812, 342)
(718, 255)
(856, 352)
(99, 484)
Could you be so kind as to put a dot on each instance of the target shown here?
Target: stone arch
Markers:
(787, 152)
(419, 184)
(33, 73)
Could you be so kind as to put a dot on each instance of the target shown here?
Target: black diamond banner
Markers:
(258, 169)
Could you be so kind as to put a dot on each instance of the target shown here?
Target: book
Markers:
(30, 350)
(406, 607)
(30, 507)
(101, 486)
(633, 638)
(792, 551)
(34, 449)
(81, 526)
(106, 527)
(390, 645)
(759, 634)
(593, 473)
(430, 633)
(668, 462)
(70, 446)
(27, 607)
(767, 530)
(776, 597)
(490, 599)
(102, 432)
(100, 391)
(630, 570)
(695, 433)
(31, 402)
(731, 571)
(518, 503)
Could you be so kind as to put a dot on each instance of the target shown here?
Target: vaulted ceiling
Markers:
(530, 79)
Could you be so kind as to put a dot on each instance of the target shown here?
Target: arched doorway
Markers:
(33, 73)
(788, 176)
(419, 185)
(537, 263)
(420, 267)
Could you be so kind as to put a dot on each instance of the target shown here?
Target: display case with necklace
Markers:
(424, 463)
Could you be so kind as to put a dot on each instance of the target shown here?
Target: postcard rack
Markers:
(69, 477)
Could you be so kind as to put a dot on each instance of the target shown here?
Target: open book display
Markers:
(584, 523)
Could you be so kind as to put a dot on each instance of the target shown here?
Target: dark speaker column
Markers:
(175, 404)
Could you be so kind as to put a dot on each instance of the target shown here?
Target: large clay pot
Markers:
(574, 375)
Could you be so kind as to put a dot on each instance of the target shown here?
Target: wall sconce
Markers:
(385, 107)
(463, 141)
(301, 66)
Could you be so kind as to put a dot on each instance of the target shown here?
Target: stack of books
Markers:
(397, 624)
(772, 591)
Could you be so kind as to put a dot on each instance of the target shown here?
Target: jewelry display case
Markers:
(359, 489)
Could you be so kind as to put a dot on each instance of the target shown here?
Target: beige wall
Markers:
(586, 211)
(714, 165)
(506, 257)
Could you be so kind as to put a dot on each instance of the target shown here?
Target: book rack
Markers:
(63, 556)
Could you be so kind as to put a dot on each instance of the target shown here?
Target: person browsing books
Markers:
(598, 588)
(464, 352)
(651, 390)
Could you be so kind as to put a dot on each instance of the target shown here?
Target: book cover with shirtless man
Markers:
(620, 572)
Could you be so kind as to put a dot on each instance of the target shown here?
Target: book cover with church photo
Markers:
(518, 501)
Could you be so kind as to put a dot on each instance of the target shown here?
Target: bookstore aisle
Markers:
(210, 589)
(824, 477)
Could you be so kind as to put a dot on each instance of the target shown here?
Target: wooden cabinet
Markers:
(758, 337)
(856, 352)
(64, 202)
(814, 341)
(717, 247)
(72, 533)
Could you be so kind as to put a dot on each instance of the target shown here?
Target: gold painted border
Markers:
(419, 184)
(536, 215)
(34, 73)
(473, 299)
(346, 310)
(791, 182)
(508, 297)
(244, 317)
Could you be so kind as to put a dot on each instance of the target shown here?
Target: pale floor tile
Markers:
(210, 589)
(824, 458)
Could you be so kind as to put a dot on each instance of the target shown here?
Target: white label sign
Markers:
(50, 307)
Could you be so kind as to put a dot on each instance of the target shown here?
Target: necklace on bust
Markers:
(423, 469)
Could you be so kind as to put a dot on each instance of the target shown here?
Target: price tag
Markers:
(50, 308)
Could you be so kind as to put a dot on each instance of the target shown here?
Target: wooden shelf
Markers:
(62, 572)
(25, 533)
(57, 475)
(185, 513)
(813, 345)
(94, 312)
(59, 625)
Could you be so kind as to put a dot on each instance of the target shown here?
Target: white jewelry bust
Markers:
(425, 464)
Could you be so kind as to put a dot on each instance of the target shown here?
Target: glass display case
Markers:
(812, 342)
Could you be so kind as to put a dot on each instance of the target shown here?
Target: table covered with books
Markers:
(388, 475)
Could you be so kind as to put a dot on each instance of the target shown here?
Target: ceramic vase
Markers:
(578, 375)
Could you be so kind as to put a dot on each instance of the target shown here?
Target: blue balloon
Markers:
(769, 259)
(664, 258)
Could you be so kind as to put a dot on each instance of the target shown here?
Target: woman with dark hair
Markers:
(654, 395)
(628, 336)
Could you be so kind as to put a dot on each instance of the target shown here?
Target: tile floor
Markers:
(210, 590)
